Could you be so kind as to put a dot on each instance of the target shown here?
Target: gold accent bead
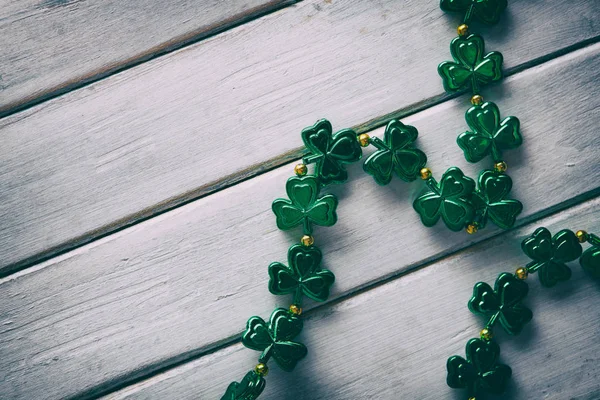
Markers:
(307, 241)
(582, 236)
(295, 309)
(463, 30)
(472, 398)
(472, 229)
(261, 369)
(425, 173)
(477, 100)
(486, 334)
(500, 166)
(364, 139)
(522, 273)
(300, 169)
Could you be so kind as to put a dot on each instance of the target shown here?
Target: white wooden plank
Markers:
(217, 112)
(392, 342)
(181, 283)
(49, 46)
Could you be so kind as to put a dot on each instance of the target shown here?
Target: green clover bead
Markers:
(303, 276)
(395, 154)
(449, 200)
(503, 303)
(275, 338)
(549, 254)
(304, 207)
(330, 151)
(248, 389)
(490, 200)
(471, 68)
(487, 11)
(488, 135)
(590, 261)
(480, 371)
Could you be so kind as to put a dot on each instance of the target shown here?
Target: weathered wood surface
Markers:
(179, 284)
(220, 111)
(51, 46)
(392, 342)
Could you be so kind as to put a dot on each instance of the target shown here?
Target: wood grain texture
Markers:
(392, 342)
(51, 46)
(179, 127)
(184, 282)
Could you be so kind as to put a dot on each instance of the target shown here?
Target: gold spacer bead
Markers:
(261, 369)
(300, 169)
(486, 334)
(472, 229)
(582, 236)
(472, 398)
(425, 173)
(477, 100)
(522, 273)
(295, 309)
(463, 30)
(364, 139)
(500, 166)
(307, 241)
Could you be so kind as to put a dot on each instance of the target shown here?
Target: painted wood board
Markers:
(180, 284)
(218, 112)
(392, 342)
(51, 46)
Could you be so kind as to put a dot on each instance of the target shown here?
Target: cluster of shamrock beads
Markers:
(503, 305)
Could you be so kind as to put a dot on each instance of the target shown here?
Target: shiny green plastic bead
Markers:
(488, 135)
(491, 201)
(248, 389)
(304, 207)
(480, 371)
(486, 11)
(590, 261)
(274, 339)
(549, 254)
(330, 151)
(503, 303)
(304, 275)
(470, 69)
(395, 154)
(449, 200)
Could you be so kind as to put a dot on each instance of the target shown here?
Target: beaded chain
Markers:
(481, 371)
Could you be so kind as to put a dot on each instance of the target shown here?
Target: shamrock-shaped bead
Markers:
(274, 339)
(487, 11)
(470, 69)
(303, 276)
(503, 303)
(590, 261)
(249, 388)
(488, 135)
(549, 254)
(480, 371)
(304, 207)
(395, 154)
(330, 151)
(491, 201)
(450, 200)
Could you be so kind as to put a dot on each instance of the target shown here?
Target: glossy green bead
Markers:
(550, 253)
(489, 135)
(449, 200)
(491, 201)
(302, 276)
(304, 206)
(480, 371)
(503, 303)
(274, 339)
(470, 69)
(590, 261)
(248, 389)
(330, 151)
(395, 154)
(486, 11)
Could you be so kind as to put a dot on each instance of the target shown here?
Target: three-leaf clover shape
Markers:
(395, 154)
(487, 11)
(303, 276)
(480, 371)
(274, 339)
(488, 135)
(248, 389)
(549, 254)
(490, 200)
(450, 200)
(590, 261)
(330, 151)
(304, 207)
(471, 68)
(503, 303)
